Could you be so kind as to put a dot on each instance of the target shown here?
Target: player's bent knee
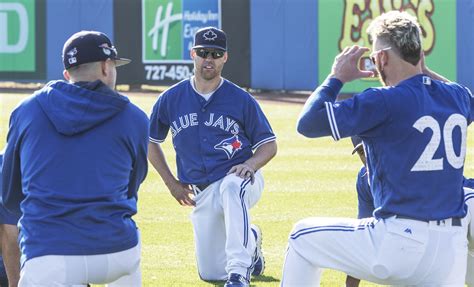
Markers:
(302, 235)
(304, 224)
(231, 183)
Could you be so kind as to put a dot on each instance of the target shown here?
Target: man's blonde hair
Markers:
(400, 31)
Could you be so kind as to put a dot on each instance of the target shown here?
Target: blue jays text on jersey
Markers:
(209, 136)
(414, 135)
(191, 120)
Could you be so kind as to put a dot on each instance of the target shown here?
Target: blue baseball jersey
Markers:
(365, 199)
(209, 137)
(415, 140)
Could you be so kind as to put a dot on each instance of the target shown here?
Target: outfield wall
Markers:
(273, 44)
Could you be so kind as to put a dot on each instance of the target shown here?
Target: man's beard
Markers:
(209, 75)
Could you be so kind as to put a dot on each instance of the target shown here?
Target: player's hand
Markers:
(244, 171)
(183, 193)
(346, 65)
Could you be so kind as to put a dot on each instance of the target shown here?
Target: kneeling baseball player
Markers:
(414, 131)
(366, 209)
(222, 140)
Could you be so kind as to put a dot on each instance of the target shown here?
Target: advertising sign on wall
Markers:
(17, 36)
(167, 33)
(344, 23)
(22, 39)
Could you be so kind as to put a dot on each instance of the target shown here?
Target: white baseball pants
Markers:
(117, 269)
(393, 251)
(221, 220)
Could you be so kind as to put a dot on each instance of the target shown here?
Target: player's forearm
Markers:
(11, 253)
(139, 171)
(313, 120)
(262, 155)
(158, 160)
(11, 189)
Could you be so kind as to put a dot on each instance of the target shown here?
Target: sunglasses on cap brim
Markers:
(215, 54)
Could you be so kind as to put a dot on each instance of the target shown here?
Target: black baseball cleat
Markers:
(259, 260)
(236, 280)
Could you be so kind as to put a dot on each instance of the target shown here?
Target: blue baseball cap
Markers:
(210, 37)
(90, 46)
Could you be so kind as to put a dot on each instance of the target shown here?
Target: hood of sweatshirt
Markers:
(75, 108)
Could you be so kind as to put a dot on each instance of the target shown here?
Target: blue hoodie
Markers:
(75, 157)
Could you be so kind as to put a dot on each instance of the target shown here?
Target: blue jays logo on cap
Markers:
(71, 59)
(230, 146)
(210, 37)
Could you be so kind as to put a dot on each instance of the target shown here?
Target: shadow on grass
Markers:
(262, 278)
(215, 283)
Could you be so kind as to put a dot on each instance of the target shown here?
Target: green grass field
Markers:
(308, 177)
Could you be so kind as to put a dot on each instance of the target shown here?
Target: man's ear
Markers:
(66, 75)
(103, 67)
(384, 59)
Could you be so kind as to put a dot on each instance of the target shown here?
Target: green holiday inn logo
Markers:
(168, 27)
(162, 31)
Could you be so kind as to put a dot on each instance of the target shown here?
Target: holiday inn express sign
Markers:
(168, 27)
